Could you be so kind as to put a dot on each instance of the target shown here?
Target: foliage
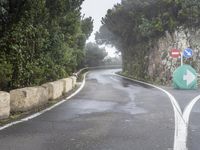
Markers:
(40, 40)
(113, 60)
(134, 28)
(94, 55)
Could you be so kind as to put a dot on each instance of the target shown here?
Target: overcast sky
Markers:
(98, 9)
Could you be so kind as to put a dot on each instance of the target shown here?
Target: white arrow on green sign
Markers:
(189, 77)
(185, 77)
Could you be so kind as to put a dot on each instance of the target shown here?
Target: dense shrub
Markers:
(40, 40)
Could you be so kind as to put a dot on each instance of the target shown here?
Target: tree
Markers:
(40, 40)
(113, 60)
(94, 55)
(134, 28)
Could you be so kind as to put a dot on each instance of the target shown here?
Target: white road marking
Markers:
(189, 107)
(181, 119)
(114, 79)
(184, 123)
(47, 109)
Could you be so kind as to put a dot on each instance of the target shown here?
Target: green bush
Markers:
(40, 41)
(5, 74)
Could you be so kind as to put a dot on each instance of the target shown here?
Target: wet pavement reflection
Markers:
(92, 106)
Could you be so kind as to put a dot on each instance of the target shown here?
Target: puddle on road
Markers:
(92, 106)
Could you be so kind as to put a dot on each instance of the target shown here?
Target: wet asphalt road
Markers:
(110, 113)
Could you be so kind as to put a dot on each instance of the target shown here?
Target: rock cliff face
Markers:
(162, 65)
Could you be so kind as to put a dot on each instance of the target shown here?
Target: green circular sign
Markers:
(185, 77)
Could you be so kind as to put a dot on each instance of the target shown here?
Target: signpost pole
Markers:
(181, 58)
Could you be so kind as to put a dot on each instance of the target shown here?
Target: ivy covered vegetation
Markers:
(134, 27)
(40, 41)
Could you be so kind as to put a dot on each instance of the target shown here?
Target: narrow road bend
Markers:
(110, 113)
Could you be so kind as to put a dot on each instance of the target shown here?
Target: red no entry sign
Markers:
(175, 53)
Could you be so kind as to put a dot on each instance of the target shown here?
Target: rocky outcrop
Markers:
(4, 105)
(162, 65)
(27, 98)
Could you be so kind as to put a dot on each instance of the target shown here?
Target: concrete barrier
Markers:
(20, 100)
(55, 89)
(50, 89)
(4, 105)
(68, 84)
(73, 81)
(58, 88)
(27, 98)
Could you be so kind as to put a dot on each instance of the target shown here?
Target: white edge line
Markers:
(47, 109)
(173, 100)
(114, 79)
(188, 109)
(176, 107)
(186, 115)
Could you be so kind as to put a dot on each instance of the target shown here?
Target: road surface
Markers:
(110, 113)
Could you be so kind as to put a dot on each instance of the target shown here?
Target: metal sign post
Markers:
(181, 58)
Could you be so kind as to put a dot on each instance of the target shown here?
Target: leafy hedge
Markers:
(40, 41)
